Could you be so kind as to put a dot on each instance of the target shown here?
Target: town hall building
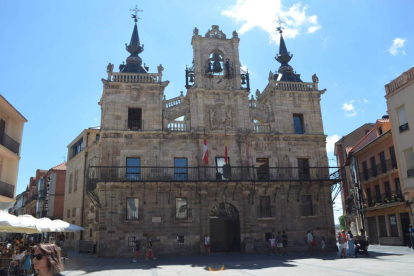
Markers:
(212, 161)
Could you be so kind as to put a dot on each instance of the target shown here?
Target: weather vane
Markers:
(280, 28)
(136, 10)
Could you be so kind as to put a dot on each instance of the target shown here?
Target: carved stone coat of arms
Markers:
(220, 117)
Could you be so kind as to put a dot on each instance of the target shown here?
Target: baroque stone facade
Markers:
(146, 177)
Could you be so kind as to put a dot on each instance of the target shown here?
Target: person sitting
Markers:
(361, 247)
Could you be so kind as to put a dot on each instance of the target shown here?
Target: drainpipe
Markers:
(84, 184)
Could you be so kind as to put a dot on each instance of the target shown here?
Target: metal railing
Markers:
(6, 189)
(9, 143)
(382, 199)
(33, 197)
(404, 127)
(379, 169)
(212, 174)
(135, 124)
(410, 173)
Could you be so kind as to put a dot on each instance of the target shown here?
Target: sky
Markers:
(54, 54)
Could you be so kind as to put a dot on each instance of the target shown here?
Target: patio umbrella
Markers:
(12, 224)
(63, 226)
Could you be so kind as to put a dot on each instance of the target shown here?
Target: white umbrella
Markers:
(46, 225)
(12, 224)
(63, 226)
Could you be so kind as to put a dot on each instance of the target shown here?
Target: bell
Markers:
(217, 67)
(243, 79)
(191, 77)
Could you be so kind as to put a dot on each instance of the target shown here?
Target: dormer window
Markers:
(380, 131)
(76, 148)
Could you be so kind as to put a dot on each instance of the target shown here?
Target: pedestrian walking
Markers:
(273, 245)
(285, 242)
(411, 230)
(323, 244)
(207, 244)
(137, 248)
(61, 239)
(279, 243)
(150, 252)
(311, 242)
(342, 244)
(351, 243)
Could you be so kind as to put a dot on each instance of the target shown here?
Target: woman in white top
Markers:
(309, 238)
(351, 244)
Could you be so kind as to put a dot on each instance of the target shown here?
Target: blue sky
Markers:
(54, 54)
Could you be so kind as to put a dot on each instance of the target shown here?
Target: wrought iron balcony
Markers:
(383, 199)
(404, 127)
(33, 197)
(213, 174)
(9, 143)
(379, 169)
(6, 189)
(410, 173)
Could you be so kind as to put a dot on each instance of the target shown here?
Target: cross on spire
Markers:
(135, 15)
(279, 28)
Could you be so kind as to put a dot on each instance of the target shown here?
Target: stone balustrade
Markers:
(295, 86)
(261, 128)
(174, 102)
(136, 78)
(177, 126)
(400, 81)
(257, 105)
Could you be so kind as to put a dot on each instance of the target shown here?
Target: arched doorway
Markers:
(224, 228)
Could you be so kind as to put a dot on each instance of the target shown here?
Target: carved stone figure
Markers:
(109, 70)
(160, 69)
(270, 76)
(257, 93)
(235, 34)
(215, 33)
(135, 94)
(195, 32)
(315, 79)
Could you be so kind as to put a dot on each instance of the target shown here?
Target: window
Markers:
(380, 131)
(268, 236)
(387, 189)
(397, 185)
(307, 206)
(133, 170)
(383, 162)
(97, 137)
(393, 158)
(303, 168)
(180, 169)
(75, 183)
(366, 131)
(402, 117)
(263, 168)
(70, 183)
(181, 208)
(365, 170)
(180, 240)
(131, 241)
(132, 208)
(264, 208)
(373, 166)
(90, 233)
(68, 213)
(76, 148)
(409, 160)
(377, 193)
(221, 172)
(369, 197)
(134, 118)
(298, 123)
(393, 225)
(73, 212)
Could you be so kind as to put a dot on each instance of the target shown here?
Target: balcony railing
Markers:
(177, 126)
(379, 169)
(6, 189)
(403, 127)
(383, 199)
(212, 174)
(136, 78)
(9, 143)
(33, 197)
(134, 124)
(261, 127)
(410, 173)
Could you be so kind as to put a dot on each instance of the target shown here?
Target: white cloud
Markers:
(330, 142)
(397, 44)
(350, 109)
(313, 29)
(265, 13)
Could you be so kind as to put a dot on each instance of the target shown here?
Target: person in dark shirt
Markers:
(279, 243)
(149, 250)
(284, 242)
(137, 248)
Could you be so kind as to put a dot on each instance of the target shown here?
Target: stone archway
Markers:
(224, 228)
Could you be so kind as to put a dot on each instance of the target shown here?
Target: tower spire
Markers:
(283, 57)
(134, 62)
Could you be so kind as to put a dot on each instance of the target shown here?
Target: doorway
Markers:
(405, 224)
(224, 228)
(373, 231)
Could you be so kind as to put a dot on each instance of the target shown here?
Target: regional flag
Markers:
(205, 150)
